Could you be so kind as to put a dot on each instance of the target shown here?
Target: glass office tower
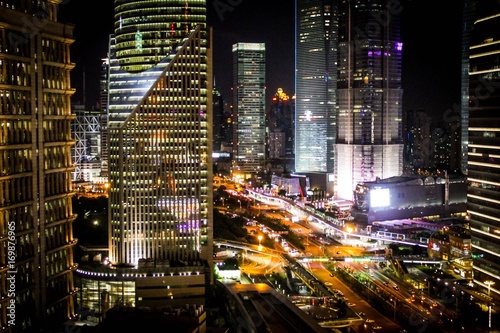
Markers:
(249, 105)
(315, 83)
(369, 141)
(36, 218)
(484, 145)
(158, 133)
(160, 167)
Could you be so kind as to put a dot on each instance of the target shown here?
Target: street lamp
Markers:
(394, 305)
(489, 284)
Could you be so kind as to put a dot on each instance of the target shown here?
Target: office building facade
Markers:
(103, 94)
(159, 135)
(315, 84)
(249, 108)
(369, 142)
(483, 195)
(36, 215)
(160, 164)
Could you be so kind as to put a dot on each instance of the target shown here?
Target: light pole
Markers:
(489, 284)
(260, 238)
(394, 306)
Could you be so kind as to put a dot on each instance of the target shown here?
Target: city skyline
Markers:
(431, 51)
(164, 194)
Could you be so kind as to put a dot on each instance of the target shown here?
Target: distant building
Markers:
(293, 186)
(86, 153)
(453, 244)
(218, 120)
(315, 81)
(417, 140)
(369, 95)
(411, 196)
(280, 137)
(280, 126)
(249, 109)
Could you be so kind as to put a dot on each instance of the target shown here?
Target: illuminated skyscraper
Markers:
(249, 75)
(369, 140)
(483, 195)
(35, 173)
(315, 80)
(160, 144)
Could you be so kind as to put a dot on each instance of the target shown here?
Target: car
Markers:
(328, 284)
(369, 321)
(351, 304)
(386, 284)
(395, 287)
(332, 275)
(361, 313)
(377, 327)
(338, 252)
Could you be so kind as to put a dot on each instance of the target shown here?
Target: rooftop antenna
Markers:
(83, 89)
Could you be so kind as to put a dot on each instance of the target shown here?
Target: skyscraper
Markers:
(103, 85)
(160, 165)
(36, 215)
(369, 141)
(158, 133)
(483, 196)
(249, 105)
(315, 83)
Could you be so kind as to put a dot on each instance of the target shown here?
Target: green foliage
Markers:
(228, 228)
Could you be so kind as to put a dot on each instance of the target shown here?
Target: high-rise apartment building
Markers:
(369, 141)
(218, 119)
(160, 163)
(249, 108)
(36, 256)
(280, 123)
(315, 84)
(280, 131)
(483, 195)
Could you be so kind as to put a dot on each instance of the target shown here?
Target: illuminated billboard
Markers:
(380, 197)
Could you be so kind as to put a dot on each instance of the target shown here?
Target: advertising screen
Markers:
(380, 197)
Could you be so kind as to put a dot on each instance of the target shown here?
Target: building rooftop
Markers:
(275, 312)
(132, 319)
(414, 179)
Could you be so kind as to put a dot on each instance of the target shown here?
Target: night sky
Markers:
(431, 37)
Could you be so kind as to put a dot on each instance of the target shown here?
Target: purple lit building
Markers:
(369, 140)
